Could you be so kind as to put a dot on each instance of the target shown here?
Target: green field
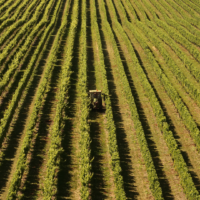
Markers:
(144, 55)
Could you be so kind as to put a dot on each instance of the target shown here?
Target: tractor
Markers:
(96, 99)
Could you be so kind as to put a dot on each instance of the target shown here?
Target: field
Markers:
(144, 55)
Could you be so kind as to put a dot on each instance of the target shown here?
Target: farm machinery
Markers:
(96, 97)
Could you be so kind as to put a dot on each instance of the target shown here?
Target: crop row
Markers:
(85, 156)
(168, 40)
(192, 5)
(192, 34)
(179, 20)
(6, 5)
(191, 20)
(9, 111)
(179, 162)
(186, 116)
(188, 9)
(180, 39)
(2, 2)
(130, 12)
(139, 9)
(152, 175)
(24, 29)
(16, 179)
(183, 111)
(11, 9)
(196, 2)
(174, 34)
(56, 131)
(113, 147)
(7, 22)
(173, 45)
(194, 38)
(21, 52)
(20, 100)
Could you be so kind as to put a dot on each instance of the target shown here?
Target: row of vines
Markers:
(31, 35)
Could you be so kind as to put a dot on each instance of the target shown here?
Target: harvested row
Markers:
(138, 73)
(153, 179)
(140, 40)
(171, 91)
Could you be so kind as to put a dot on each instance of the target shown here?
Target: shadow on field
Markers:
(151, 144)
(194, 176)
(97, 183)
(124, 151)
(33, 179)
(127, 14)
(18, 128)
(95, 119)
(166, 189)
(22, 67)
(66, 164)
(172, 128)
(15, 136)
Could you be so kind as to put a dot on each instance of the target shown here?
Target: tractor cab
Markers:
(95, 99)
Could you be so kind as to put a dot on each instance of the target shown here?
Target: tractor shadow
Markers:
(97, 182)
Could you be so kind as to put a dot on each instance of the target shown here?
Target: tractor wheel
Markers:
(100, 104)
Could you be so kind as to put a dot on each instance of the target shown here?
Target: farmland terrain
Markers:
(145, 57)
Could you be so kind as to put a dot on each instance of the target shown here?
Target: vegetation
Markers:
(143, 55)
